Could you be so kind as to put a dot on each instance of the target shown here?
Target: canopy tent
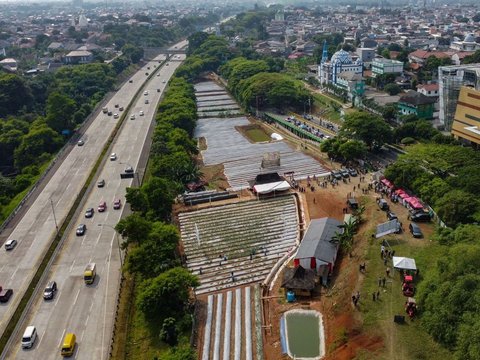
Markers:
(400, 192)
(271, 187)
(404, 263)
(404, 195)
(390, 227)
(386, 183)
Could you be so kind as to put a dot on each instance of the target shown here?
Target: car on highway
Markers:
(145, 93)
(109, 113)
(117, 105)
(105, 110)
(113, 157)
(141, 113)
(130, 81)
(101, 183)
(158, 74)
(158, 90)
(80, 142)
(117, 204)
(132, 117)
(129, 170)
(120, 108)
(68, 345)
(81, 229)
(102, 206)
(89, 213)
(146, 101)
(164, 81)
(166, 64)
(10, 244)
(115, 116)
(5, 295)
(146, 73)
(29, 337)
(50, 290)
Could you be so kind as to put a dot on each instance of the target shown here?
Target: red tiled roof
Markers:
(428, 87)
(424, 54)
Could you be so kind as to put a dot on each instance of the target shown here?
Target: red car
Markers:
(102, 207)
(117, 204)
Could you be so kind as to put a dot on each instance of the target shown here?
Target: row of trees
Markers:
(164, 287)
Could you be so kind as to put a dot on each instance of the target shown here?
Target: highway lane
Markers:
(36, 229)
(88, 311)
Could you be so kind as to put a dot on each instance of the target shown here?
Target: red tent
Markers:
(400, 192)
(404, 195)
(387, 183)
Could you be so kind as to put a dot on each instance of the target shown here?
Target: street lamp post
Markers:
(54, 217)
(118, 242)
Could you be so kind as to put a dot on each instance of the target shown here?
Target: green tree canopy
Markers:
(371, 129)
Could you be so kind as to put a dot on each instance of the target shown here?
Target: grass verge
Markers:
(8, 209)
(402, 341)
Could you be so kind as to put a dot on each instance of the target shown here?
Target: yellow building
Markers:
(466, 123)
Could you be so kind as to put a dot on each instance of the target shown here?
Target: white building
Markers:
(468, 44)
(340, 62)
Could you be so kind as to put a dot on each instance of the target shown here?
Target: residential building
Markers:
(430, 90)
(415, 103)
(466, 122)
(450, 80)
(353, 83)
(9, 64)
(382, 66)
(420, 56)
(78, 57)
(366, 54)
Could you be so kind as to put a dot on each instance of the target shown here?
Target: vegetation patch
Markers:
(254, 133)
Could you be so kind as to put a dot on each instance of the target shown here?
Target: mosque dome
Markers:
(342, 57)
(469, 38)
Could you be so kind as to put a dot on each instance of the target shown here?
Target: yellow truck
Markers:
(89, 273)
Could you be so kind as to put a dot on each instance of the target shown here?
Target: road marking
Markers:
(61, 338)
(11, 277)
(73, 263)
(98, 238)
(76, 297)
(84, 237)
(106, 293)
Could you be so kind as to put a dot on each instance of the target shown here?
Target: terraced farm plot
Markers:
(242, 159)
(236, 244)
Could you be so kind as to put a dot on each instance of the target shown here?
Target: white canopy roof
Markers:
(404, 263)
(271, 187)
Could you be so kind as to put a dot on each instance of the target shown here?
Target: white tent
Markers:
(404, 263)
(389, 227)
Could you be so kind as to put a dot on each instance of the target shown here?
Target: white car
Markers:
(141, 113)
(113, 157)
(10, 244)
(115, 116)
(145, 93)
(164, 81)
(132, 117)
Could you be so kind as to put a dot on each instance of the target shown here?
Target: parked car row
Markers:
(344, 173)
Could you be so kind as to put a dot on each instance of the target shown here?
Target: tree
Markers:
(60, 110)
(14, 94)
(132, 52)
(392, 89)
(371, 129)
(456, 207)
(133, 228)
(353, 149)
(195, 41)
(137, 199)
(168, 293)
(180, 353)
(157, 253)
(168, 333)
